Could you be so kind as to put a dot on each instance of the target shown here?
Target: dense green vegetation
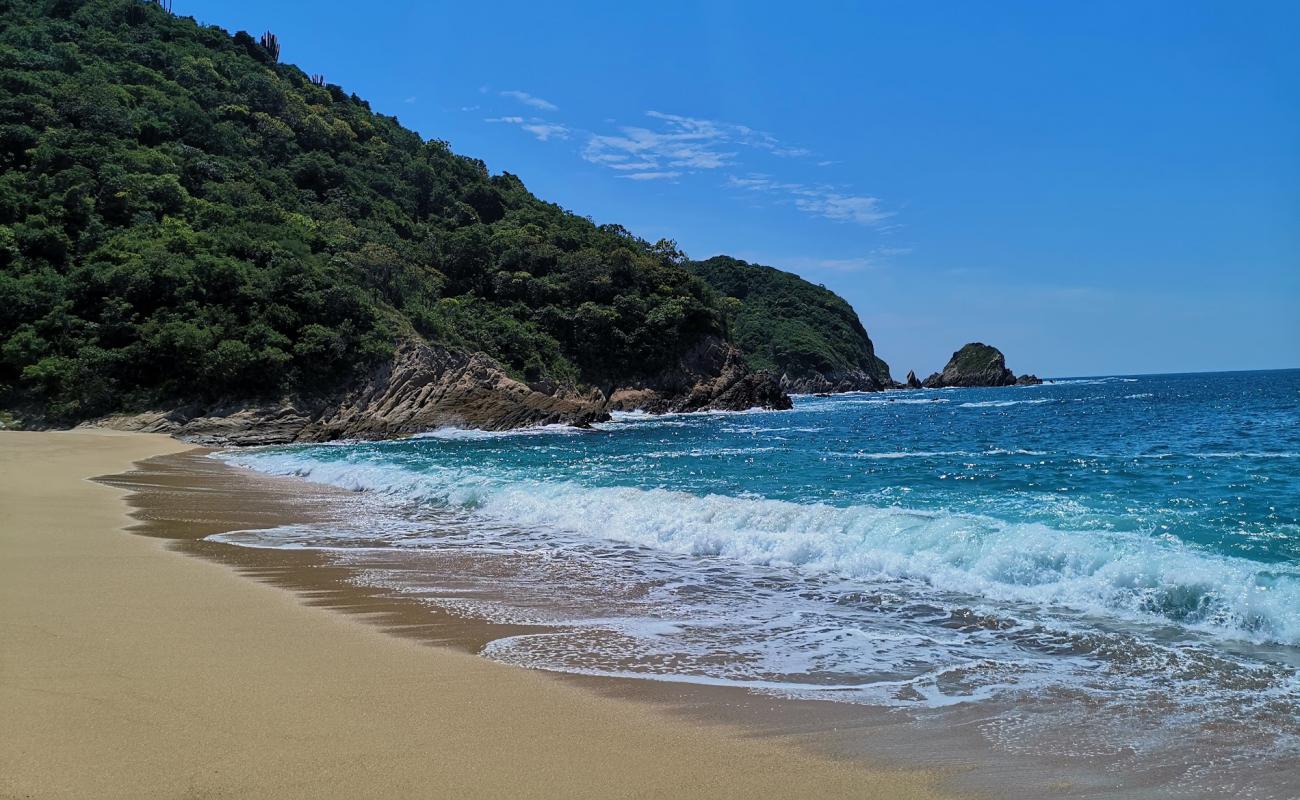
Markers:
(977, 357)
(788, 325)
(184, 218)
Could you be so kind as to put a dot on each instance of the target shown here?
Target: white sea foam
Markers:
(473, 434)
(912, 454)
(1005, 403)
(1132, 576)
(645, 416)
(997, 451)
(1088, 381)
(1252, 454)
(874, 399)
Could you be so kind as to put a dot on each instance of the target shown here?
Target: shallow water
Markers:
(1099, 569)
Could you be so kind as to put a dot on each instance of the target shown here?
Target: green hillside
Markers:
(797, 329)
(182, 217)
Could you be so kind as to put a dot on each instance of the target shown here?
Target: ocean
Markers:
(1095, 568)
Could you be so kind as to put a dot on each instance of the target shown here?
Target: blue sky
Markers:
(1096, 188)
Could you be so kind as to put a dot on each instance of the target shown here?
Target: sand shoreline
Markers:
(130, 671)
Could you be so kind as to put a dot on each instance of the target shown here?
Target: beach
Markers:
(129, 670)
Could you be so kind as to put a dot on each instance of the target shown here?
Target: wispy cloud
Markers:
(410, 99)
(530, 100)
(670, 146)
(539, 128)
(843, 208)
(546, 130)
(874, 259)
(651, 176)
(681, 143)
(818, 199)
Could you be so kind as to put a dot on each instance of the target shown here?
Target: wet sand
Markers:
(127, 670)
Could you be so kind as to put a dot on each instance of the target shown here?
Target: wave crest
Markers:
(1126, 575)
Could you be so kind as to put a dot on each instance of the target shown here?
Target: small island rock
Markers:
(977, 364)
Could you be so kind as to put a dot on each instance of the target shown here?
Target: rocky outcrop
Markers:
(425, 387)
(712, 376)
(976, 364)
(855, 380)
(912, 381)
(1028, 380)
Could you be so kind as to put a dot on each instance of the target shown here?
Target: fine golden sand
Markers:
(128, 671)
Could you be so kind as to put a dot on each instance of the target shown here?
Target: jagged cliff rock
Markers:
(975, 364)
(712, 376)
(425, 387)
(913, 382)
(854, 380)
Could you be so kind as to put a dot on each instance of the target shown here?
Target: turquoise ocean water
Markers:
(1109, 565)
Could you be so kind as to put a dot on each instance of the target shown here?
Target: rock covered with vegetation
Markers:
(805, 333)
(976, 364)
(187, 223)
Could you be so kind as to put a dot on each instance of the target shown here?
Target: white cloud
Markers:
(844, 208)
(539, 128)
(875, 259)
(690, 149)
(529, 100)
(682, 143)
(679, 145)
(651, 176)
(819, 200)
(546, 130)
(410, 99)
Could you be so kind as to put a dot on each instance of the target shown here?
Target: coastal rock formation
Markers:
(1028, 380)
(425, 387)
(831, 381)
(712, 376)
(976, 364)
(803, 332)
(913, 382)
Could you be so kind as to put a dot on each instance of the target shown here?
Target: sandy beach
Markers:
(128, 670)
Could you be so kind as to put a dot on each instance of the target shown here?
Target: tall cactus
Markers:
(271, 45)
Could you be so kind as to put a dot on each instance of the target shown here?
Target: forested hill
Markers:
(182, 217)
(803, 332)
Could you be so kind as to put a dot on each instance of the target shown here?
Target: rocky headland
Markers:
(805, 333)
(426, 386)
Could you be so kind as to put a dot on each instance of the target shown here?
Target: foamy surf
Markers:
(1132, 576)
(1073, 557)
